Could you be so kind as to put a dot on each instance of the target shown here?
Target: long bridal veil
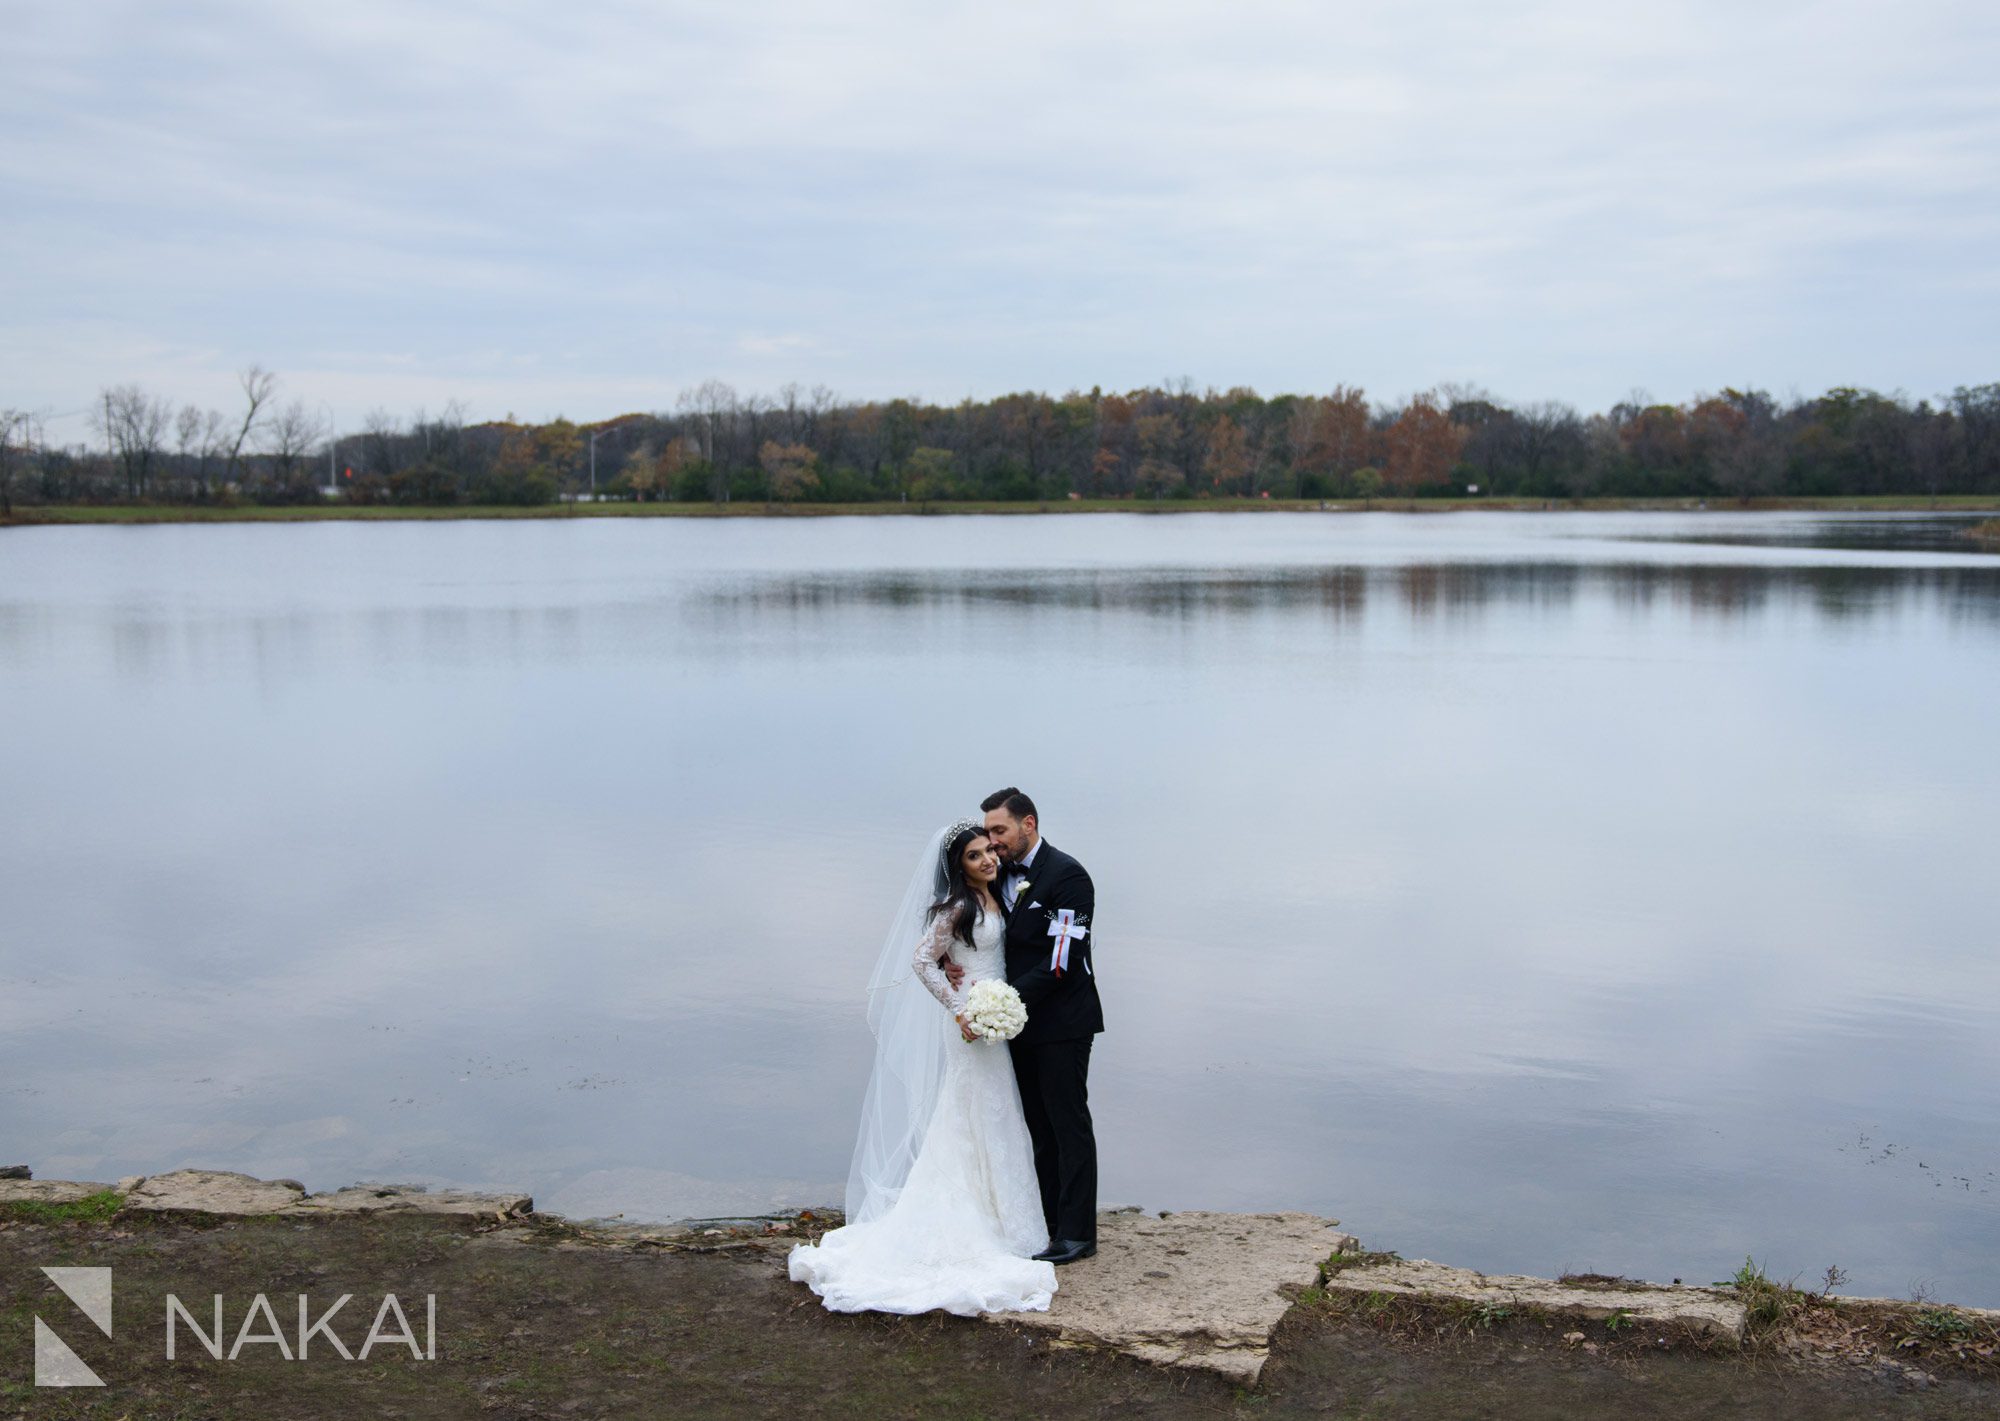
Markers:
(912, 1034)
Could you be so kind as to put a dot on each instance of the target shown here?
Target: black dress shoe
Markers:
(1067, 1250)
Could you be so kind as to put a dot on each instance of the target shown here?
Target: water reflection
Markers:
(1428, 590)
(1863, 532)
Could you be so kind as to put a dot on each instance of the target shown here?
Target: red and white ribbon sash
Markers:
(1065, 929)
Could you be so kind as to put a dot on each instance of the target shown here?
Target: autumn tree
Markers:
(1421, 446)
(1158, 478)
(1656, 439)
(1028, 422)
(559, 445)
(641, 474)
(1116, 441)
(927, 474)
(791, 468)
(1158, 437)
(1027, 445)
(519, 474)
(1227, 461)
(1735, 436)
(1329, 435)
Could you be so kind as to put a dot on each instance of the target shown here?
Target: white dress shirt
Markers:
(1017, 874)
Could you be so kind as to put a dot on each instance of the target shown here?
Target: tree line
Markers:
(1174, 441)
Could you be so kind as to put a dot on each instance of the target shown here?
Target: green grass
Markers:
(1941, 1325)
(1360, 1258)
(91, 1208)
(1767, 1305)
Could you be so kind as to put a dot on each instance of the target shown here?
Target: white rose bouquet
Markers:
(994, 1010)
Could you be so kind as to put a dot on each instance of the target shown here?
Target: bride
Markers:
(943, 1210)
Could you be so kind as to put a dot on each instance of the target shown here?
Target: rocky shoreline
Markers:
(1191, 1290)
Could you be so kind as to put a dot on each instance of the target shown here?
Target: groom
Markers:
(1051, 928)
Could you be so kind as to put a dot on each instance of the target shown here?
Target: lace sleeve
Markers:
(936, 943)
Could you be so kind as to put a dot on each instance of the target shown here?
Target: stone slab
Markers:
(1198, 1290)
(215, 1191)
(1700, 1310)
(47, 1191)
(221, 1191)
(416, 1199)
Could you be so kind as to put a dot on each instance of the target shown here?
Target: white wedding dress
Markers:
(961, 1233)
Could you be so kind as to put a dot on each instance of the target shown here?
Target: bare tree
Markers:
(711, 406)
(133, 424)
(187, 437)
(290, 436)
(214, 446)
(199, 440)
(789, 403)
(20, 433)
(443, 435)
(1976, 412)
(1929, 436)
(1548, 440)
(1749, 458)
(381, 444)
(258, 385)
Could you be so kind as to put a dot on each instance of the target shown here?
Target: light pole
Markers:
(595, 435)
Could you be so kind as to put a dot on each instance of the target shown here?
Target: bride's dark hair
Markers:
(956, 896)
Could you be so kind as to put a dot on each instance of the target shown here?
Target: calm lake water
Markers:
(1531, 892)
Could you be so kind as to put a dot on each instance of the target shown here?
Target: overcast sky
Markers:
(583, 208)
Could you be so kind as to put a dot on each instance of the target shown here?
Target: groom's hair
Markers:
(1011, 800)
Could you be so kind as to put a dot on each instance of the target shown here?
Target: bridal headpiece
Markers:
(950, 838)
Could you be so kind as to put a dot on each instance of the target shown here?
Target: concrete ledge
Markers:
(1701, 1311)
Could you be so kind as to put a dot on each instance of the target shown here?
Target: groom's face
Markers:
(1010, 836)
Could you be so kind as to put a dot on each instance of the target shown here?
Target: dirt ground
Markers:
(532, 1324)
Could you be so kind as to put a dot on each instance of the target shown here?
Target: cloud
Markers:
(1557, 201)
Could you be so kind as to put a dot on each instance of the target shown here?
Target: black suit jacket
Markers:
(1062, 1006)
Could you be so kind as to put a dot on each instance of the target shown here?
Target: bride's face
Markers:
(980, 862)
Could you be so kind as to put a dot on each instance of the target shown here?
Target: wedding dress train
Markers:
(960, 1233)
